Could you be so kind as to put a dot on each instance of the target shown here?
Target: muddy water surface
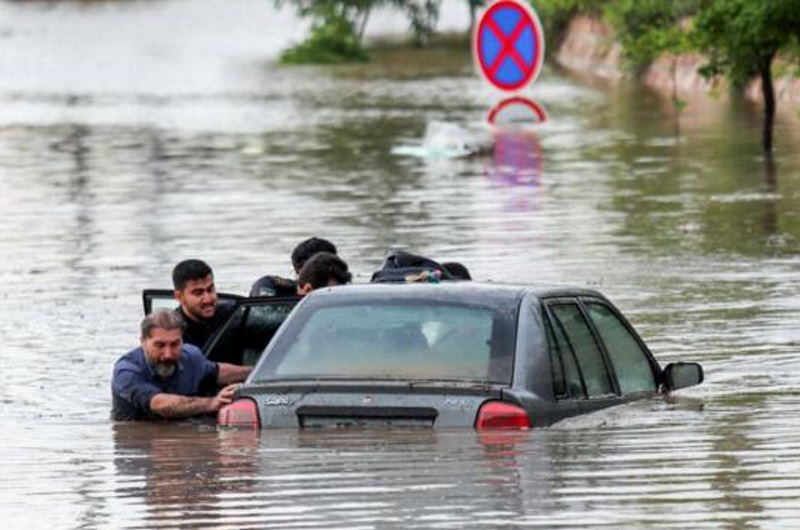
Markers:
(133, 135)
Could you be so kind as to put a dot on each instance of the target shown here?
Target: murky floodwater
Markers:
(133, 135)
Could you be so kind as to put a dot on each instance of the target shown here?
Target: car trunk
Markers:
(369, 403)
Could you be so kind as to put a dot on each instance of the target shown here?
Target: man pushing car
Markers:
(166, 379)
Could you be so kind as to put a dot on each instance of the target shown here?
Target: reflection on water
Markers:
(517, 163)
(196, 146)
(185, 474)
(191, 476)
(517, 159)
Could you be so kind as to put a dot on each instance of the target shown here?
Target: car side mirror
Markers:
(681, 375)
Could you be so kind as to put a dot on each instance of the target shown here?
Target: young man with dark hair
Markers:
(277, 286)
(164, 378)
(193, 281)
(322, 270)
(308, 248)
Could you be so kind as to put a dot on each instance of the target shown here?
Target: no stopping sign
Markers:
(508, 45)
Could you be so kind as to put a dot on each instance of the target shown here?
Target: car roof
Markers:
(454, 291)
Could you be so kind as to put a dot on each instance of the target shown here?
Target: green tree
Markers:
(422, 15)
(332, 40)
(742, 39)
(649, 28)
(337, 27)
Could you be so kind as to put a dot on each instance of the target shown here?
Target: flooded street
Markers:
(137, 134)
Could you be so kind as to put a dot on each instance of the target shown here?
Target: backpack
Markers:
(404, 267)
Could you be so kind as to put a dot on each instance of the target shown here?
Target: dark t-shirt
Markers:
(134, 382)
(198, 333)
(274, 286)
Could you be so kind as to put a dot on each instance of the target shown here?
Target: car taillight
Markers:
(241, 413)
(499, 415)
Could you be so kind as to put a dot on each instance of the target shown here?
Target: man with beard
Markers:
(166, 379)
(196, 293)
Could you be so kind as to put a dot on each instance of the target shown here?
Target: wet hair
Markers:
(188, 270)
(161, 318)
(322, 269)
(306, 249)
(457, 270)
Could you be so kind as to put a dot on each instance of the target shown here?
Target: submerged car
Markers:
(460, 354)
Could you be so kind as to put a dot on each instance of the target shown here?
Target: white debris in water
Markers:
(449, 140)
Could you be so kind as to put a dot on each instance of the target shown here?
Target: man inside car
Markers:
(166, 379)
(277, 286)
(193, 281)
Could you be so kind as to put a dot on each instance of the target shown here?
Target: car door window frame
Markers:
(610, 372)
(654, 366)
(555, 359)
(149, 294)
(554, 346)
(247, 304)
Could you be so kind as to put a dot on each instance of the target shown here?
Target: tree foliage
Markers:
(556, 14)
(742, 38)
(649, 28)
(333, 39)
(337, 26)
(422, 15)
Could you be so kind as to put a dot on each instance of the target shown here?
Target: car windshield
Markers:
(395, 340)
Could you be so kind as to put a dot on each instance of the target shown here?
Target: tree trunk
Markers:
(363, 25)
(771, 173)
(768, 92)
(472, 9)
(676, 100)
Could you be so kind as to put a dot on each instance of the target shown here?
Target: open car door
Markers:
(153, 299)
(249, 329)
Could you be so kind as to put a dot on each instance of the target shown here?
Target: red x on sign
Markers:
(508, 44)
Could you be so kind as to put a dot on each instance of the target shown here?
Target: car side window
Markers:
(556, 370)
(634, 372)
(587, 351)
(566, 378)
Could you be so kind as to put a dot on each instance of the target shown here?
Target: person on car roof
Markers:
(193, 281)
(165, 378)
(277, 286)
(322, 270)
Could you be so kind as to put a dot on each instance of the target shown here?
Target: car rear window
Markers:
(394, 340)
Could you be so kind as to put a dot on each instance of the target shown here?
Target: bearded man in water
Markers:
(166, 379)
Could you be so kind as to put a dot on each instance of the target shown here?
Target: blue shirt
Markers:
(134, 382)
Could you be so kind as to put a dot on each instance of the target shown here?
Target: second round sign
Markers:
(508, 45)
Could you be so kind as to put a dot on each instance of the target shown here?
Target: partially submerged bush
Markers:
(332, 40)
(338, 27)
